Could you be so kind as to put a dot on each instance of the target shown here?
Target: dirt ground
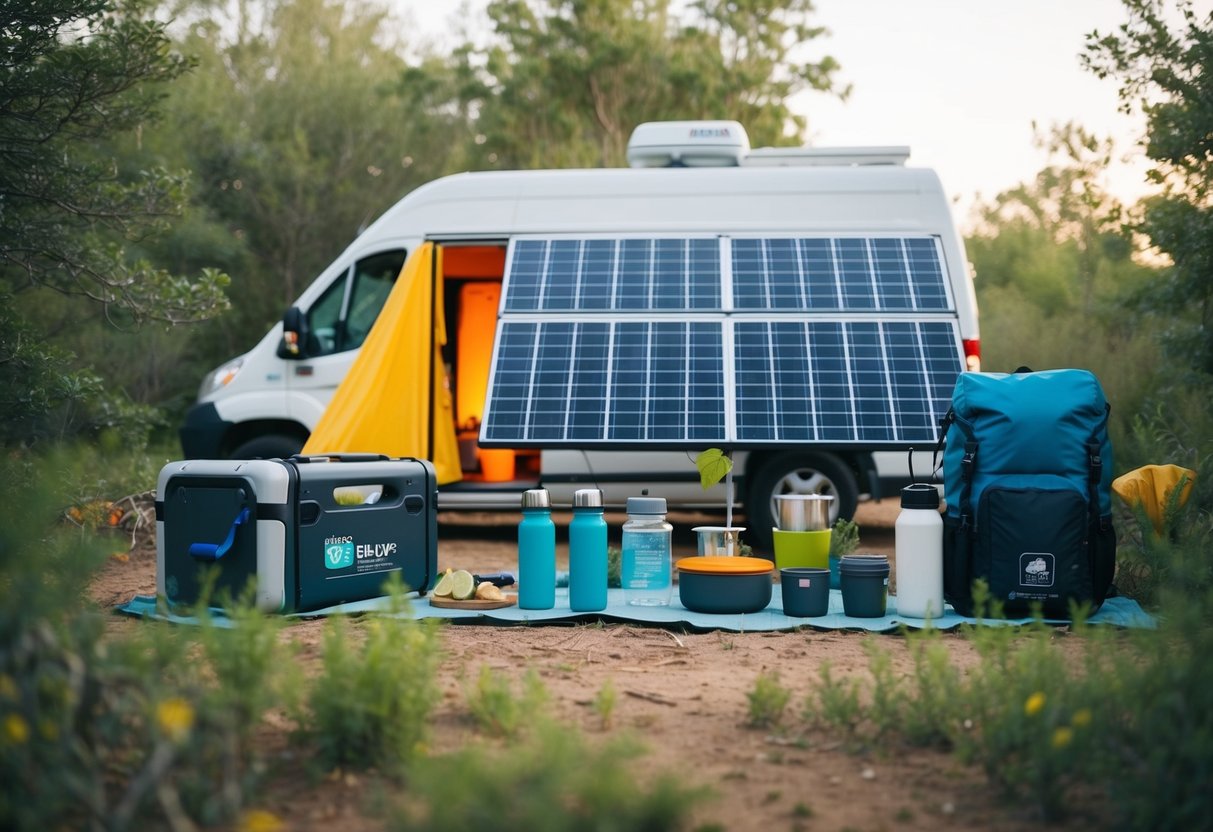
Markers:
(683, 694)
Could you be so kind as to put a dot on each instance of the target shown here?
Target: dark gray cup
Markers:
(865, 585)
(806, 591)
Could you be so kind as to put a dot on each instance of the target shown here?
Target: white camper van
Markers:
(818, 299)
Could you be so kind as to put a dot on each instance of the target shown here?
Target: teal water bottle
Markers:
(587, 552)
(536, 552)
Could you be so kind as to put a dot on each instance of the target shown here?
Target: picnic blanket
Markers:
(1118, 612)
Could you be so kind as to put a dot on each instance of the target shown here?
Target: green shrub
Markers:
(834, 702)
(767, 700)
(604, 703)
(153, 729)
(500, 712)
(551, 781)
(1051, 716)
(370, 705)
(844, 537)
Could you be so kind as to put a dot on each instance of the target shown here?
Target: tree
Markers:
(1059, 240)
(1162, 60)
(299, 133)
(563, 82)
(76, 75)
(1054, 263)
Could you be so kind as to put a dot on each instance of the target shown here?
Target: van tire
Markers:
(807, 472)
(269, 446)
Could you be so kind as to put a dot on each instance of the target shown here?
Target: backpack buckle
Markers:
(1094, 462)
(968, 461)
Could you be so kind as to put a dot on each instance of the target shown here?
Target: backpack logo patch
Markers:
(1036, 569)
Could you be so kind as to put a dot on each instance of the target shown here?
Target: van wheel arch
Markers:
(266, 440)
(803, 472)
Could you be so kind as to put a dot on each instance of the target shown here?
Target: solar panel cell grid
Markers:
(637, 375)
(627, 275)
(838, 274)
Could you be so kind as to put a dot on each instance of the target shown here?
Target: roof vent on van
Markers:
(826, 156)
(661, 144)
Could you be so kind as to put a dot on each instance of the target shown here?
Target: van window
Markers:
(340, 318)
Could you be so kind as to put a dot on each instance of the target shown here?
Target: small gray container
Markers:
(865, 585)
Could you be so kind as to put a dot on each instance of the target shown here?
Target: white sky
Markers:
(959, 81)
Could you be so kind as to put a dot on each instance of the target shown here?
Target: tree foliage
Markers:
(72, 74)
(1061, 239)
(1161, 58)
(563, 82)
(1054, 264)
(77, 213)
(299, 132)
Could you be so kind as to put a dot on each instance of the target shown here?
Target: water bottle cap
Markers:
(536, 498)
(920, 495)
(587, 498)
(646, 505)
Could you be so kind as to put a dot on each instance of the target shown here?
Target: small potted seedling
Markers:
(715, 465)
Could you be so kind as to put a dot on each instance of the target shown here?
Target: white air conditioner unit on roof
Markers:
(660, 144)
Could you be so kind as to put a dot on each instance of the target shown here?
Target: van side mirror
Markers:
(294, 333)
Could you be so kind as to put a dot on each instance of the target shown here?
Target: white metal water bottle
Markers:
(919, 553)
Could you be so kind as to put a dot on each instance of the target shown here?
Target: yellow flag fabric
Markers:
(1150, 486)
(386, 404)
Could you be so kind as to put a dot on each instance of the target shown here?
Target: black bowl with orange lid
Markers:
(724, 584)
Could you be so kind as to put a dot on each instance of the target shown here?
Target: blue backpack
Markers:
(1027, 469)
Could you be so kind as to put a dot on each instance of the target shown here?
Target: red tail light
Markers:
(972, 347)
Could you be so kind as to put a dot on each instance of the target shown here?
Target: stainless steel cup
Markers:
(719, 540)
(804, 512)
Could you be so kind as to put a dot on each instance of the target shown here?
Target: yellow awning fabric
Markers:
(384, 403)
(1150, 486)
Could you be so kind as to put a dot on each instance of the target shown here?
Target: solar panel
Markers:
(627, 275)
(870, 382)
(590, 381)
(635, 341)
(840, 273)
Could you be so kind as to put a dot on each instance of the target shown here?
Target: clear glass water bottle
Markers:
(587, 552)
(645, 569)
(536, 552)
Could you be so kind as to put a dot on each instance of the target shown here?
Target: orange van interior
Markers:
(472, 292)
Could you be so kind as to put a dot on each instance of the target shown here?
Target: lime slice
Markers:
(463, 585)
(442, 589)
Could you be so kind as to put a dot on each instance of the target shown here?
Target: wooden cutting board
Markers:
(472, 603)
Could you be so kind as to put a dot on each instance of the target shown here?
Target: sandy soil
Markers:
(683, 693)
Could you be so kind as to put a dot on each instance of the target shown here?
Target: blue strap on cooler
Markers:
(214, 551)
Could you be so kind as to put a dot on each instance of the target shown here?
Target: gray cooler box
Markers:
(311, 532)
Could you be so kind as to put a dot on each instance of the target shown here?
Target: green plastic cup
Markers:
(810, 548)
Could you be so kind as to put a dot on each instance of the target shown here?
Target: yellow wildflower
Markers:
(1082, 718)
(259, 820)
(1062, 737)
(8, 688)
(1035, 704)
(176, 717)
(16, 730)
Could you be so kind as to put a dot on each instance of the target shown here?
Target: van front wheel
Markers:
(809, 472)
